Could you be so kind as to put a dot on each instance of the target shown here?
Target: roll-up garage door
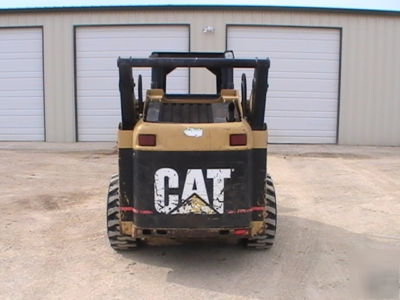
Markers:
(21, 85)
(97, 50)
(302, 99)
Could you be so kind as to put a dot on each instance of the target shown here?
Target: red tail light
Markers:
(238, 139)
(240, 232)
(147, 139)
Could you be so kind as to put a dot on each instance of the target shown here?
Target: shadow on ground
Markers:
(309, 260)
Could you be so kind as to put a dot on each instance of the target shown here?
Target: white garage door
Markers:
(21, 85)
(97, 50)
(302, 99)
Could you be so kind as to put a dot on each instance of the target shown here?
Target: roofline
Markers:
(205, 7)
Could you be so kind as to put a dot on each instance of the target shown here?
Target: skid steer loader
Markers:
(192, 166)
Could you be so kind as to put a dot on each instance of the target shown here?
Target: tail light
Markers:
(238, 139)
(147, 139)
(241, 232)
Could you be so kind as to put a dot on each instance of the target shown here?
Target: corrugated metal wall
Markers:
(370, 74)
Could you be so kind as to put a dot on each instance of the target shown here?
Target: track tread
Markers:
(117, 240)
(266, 240)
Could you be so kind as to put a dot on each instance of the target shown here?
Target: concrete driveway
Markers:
(338, 230)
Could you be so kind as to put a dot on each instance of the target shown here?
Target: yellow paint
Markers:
(171, 136)
(126, 228)
(199, 207)
(256, 227)
(260, 139)
(125, 139)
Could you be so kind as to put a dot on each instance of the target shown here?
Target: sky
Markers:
(385, 5)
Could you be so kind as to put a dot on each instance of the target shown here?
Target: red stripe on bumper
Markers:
(245, 210)
(136, 211)
(229, 212)
(257, 208)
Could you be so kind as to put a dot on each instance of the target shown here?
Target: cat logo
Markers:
(194, 198)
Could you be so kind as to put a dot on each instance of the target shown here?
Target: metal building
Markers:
(334, 78)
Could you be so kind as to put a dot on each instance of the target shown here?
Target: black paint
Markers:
(245, 188)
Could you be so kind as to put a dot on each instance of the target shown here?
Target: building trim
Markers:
(75, 86)
(202, 7)
(339, 83)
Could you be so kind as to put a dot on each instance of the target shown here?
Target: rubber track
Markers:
(117, 240)
(266, 240)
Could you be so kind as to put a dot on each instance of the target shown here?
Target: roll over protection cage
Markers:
(163, 63)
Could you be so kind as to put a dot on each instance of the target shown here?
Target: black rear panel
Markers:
(204, 189)
(186, 113)
(165, 112)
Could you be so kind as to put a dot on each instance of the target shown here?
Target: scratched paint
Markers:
(194, 198)
(159, 190)
(193, 132)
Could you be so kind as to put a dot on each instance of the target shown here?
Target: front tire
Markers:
(117, 240)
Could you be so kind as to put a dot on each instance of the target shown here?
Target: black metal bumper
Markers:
(205, 189)
(197, 233)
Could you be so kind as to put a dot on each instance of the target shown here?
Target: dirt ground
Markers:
(338, 231)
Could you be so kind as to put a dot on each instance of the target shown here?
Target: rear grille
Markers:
(186, 113)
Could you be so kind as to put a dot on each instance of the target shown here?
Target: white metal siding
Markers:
(21, 85)
(370, 74)
(303, 83)
(97, 74)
